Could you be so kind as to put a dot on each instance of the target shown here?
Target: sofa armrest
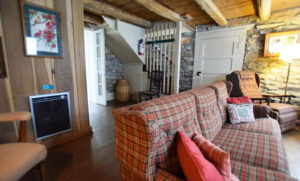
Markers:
(261, 111)
(163, 175)
(274, 114)
(135, 144)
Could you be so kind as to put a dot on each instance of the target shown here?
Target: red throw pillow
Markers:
(193, 163)
(215, 155)
(238, 100)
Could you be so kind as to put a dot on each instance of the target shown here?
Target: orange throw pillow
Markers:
(193, 163)
(215, 155)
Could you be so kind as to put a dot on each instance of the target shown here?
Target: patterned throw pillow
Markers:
(194, 165)
(215, 155)
(239, 113)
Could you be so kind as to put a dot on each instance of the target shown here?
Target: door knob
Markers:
(199, 73)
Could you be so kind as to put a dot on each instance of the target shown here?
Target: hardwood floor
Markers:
(89, 158)
(92, 157)
(291, 142)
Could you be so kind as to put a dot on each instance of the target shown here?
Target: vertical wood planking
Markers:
(63, 67)
(8, 131)
(41, 67)
(78, 25)
(19, 67)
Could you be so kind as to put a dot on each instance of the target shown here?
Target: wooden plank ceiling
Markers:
(229, 8)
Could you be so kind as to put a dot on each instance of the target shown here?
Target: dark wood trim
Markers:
(22, 131)
(2, 61)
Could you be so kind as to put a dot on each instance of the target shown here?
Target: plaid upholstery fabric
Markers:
(286, 118)
(249, 173)
(288, 126)
(283, 108)
(145, 134)
(162, 175)
(261, 111)
(254, 149)
(128, 175)
(274, 115)
(208, 112)
(222, 95)
(215, 155)
(267, 126)
(248, 85)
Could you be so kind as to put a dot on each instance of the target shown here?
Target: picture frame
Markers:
(2, 61)
(274, 42)
(42, 32)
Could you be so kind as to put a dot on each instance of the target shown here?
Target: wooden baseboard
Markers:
(66, 137)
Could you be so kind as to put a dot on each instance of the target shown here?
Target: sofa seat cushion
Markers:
(208, 113)
(18, 158)
(246, 172)
(253, 148)
(266, 126)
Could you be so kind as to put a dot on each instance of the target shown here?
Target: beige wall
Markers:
(26, 75)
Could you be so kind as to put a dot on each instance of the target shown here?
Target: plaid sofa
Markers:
(145, 136)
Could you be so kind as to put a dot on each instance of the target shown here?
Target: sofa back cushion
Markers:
(221, 91)
(172, 113)
(208, 112)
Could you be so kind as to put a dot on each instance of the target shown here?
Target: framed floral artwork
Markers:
(275, 41)
(42, 31)
(2, 62)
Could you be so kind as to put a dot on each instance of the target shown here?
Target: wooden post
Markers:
(177, 57)
(264, 9)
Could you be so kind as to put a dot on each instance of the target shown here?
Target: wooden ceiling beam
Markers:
(102, 8)
(264, 9)
(91, 18)
(159, 9)
(213, 11)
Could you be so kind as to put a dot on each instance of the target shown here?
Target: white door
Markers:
(100, 67)
(217, 53)
(95, 63)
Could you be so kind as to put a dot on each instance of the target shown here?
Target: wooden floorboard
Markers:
(92, 157)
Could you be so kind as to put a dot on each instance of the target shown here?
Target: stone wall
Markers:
(114, 70)
(187, 61)
(272, 71)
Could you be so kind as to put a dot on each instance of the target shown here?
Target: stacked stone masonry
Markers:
(114, 70)
(271, 70)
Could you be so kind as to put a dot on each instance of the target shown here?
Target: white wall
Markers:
(89, 64)
(132, 34)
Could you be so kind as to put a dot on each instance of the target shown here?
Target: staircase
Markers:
(159, 52)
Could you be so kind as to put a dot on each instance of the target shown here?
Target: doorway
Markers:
(218, 53)
(94, 43)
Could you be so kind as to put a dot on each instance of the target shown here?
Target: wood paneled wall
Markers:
(26, 75)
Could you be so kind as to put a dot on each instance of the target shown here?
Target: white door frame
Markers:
(92, 68)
